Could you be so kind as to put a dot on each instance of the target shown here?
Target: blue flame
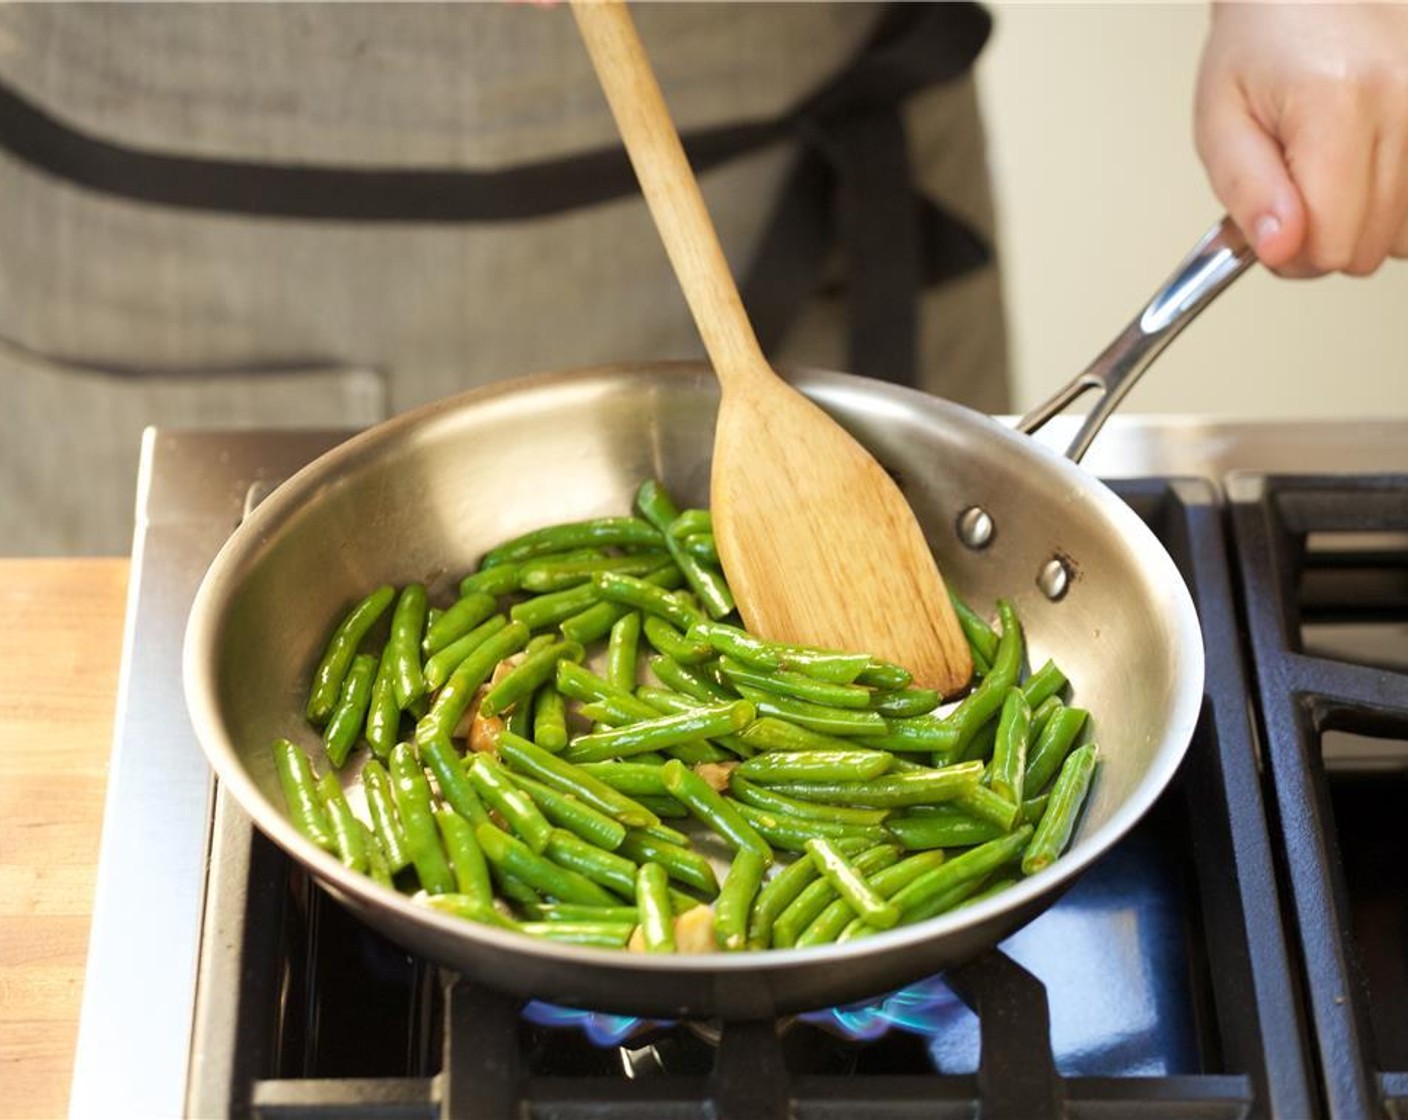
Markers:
(925, 1008)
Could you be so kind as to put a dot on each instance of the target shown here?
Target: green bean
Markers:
(442, 663)
(576, 912)
(412, 793)
(555, 607)
(567, 778)
(343, 728)
(930, 894)
(599, 532)
(622, 648)
(661, 732)
(783, 888)
(708, 583)
(667, 834)
(498, 580)
(712, 810)
(407, 625)
(347, 840)
(466, 860)
(836, 666)
(848, 882)
(615, 873)
(769, 733)
(657, 924)
(980, 746)
(985, 804)
(668, 702)
(515, 806)
(469, 611)
(601, 935)
(549, 719)
(538, 872)
(838, 916)
(341, 649)
(536, 669)
(816, 717)
(682, 864)
(383, 725)
(1044, 683)
(1041, 713)
(438, 753)
(305, 807)
(454, 698)
(1053, 746)
(892, 791)
(556, 574)
(770, 801)
(386, 821)
(994, 886)
(634, 778)
(798, 686)
(513, 888)
(471, 909)
(1059, 821)
(596, 621)
(670, 642)
(884, 675)
(689, 522)
(568, 812)
(378, 869)
(984, 702)
(982, 638)
(817, 895)
(944, 826)
(915, 734)
(900, 703)
(740, 887)
(643, 595)
(815, 766)
(1009, 756)
(689, 680)
(703, 547)
(791, 833)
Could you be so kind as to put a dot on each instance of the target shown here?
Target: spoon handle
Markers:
(670, 188)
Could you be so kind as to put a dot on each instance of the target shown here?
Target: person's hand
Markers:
(1302, 123)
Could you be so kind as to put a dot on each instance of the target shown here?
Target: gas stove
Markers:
(1241, 953)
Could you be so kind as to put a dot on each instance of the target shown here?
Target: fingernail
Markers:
(1267, 226)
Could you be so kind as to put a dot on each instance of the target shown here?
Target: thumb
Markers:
(1248, 173)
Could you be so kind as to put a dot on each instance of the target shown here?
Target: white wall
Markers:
(1100, 193)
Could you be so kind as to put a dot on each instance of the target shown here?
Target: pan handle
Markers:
(1219, 258)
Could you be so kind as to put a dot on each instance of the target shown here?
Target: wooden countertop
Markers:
(60, 648)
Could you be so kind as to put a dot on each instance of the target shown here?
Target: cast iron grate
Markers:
(282, 1027)
(1318, 553)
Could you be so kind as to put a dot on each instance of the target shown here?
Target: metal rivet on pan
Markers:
(1054, 579)
(975, 527)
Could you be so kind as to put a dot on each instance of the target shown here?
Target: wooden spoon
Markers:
(818, 544)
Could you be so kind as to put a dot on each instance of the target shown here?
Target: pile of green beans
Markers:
(506, 780)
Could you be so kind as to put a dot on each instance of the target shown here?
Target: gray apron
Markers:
(323, 214)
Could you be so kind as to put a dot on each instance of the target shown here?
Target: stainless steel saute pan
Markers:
(421, 497)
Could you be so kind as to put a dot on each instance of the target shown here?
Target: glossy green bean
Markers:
(614, 872)
(657, 921)
(1062, 811)
(713, 810)
(538, 872)
(383, 724)
(815, 766)
(837, 666)
(985, 701)
(683, 865)
(516, 807)
(596, 621)
(469, 908)
(668, 702)
(735, 901)
(982, 638)
(884, 675)
(770, 801)
(838, 915)
(781, 830)
(438, 754)
(660, 732)
(556, 574)
(340, 651)
(769, 733)
(378, 869)
(931, 893)
(643, 595)
(905, 702)
(1009, 755)
(634, 778)
(983, 803)
(348, 845)
(407, 627)
(542, 611)
(818, 894)
(442, 663)
(892, 791)
(1053, 745)
(567, 778)
(690, 681)
(600, 935)
(467, 612)
(797, 686)
(467, 862)
(454, 698)
(305, 807)
(1046, 682)
(498, 580)
(576, 912)
(921, 734)
(622, 650)
(413, 803)
(670, 642)
(386, 821)
(656, 506)
(536, 669)
(344, 727)
(850, 884)
(1040, 714)
(599, 532)
(846, 722)
(703, 547)
(691, 521)
(566, 811)
(549, 719)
